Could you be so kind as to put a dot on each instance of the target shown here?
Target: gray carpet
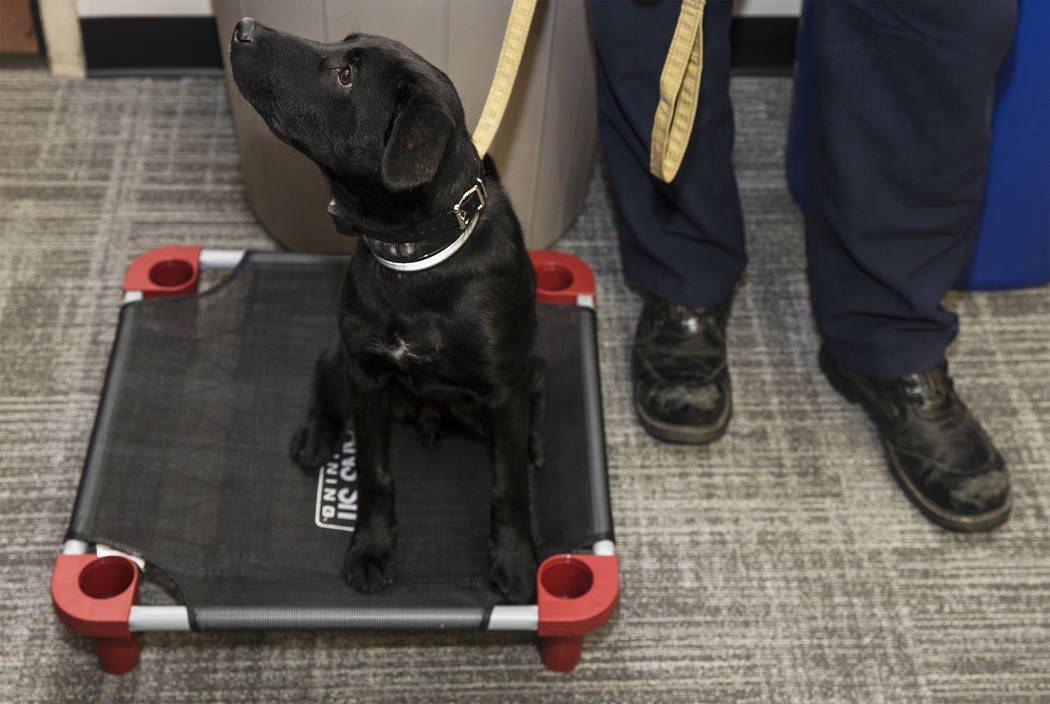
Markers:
(780, 564)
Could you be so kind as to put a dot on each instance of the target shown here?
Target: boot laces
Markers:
(931, 388)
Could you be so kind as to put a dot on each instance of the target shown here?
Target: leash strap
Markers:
(679, 93)
(506, 71)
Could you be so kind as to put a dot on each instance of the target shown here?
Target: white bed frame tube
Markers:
(220, 258)
(514, 618)
(159, 618)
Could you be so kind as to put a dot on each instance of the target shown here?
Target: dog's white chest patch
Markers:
(399, 350)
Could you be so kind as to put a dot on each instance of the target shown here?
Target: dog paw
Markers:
(313, 443)
(369, 565)
(513, 570)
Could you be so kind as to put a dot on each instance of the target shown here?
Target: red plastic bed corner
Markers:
(560, 277)
(165, 271)
(93, 597)
(576, 594)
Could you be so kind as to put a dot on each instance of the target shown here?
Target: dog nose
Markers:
(244, 30)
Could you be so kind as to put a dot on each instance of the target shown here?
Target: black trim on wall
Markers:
(116, 45)
(38, 27)
(143, 45)
(763, 44)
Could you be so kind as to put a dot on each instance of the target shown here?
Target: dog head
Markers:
(380, 121)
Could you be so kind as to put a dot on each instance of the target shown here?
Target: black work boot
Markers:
(936, 450)
(681, 381)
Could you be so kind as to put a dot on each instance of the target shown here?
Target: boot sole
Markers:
(954, 521)
(686, 434)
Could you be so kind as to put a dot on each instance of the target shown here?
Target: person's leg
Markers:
(682, 243)
(903, 97)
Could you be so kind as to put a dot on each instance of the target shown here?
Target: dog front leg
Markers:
(513, 556)
(369, 565)
(317, 437)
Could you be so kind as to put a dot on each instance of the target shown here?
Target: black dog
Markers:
(420, 340)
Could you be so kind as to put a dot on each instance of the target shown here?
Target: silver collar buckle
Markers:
(472, 203)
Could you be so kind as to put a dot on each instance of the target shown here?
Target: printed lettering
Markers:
(337, 503)
(348, 499)
(348, 474)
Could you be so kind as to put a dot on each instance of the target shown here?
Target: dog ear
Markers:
(419, 133)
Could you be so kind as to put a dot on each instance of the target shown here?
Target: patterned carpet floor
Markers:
(780, 564)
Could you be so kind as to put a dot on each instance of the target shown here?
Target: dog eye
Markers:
(345, 77)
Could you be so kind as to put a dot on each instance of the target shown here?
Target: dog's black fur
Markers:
(453, 341)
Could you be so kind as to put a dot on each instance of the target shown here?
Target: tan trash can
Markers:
(544, 149)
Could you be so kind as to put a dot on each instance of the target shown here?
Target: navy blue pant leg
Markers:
(903, 98)
(683, 241)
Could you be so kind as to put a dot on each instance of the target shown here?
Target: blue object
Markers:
(1013, 241)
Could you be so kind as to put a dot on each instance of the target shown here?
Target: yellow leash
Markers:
(506, 72)
(679, 86)
(679, 92)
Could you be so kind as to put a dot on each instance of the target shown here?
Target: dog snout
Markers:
(244, 32)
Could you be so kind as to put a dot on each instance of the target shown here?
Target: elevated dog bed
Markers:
(188, 473)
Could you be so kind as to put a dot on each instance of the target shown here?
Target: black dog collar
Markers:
(417, 256)
(423, 246)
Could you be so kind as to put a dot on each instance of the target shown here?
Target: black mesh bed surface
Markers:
(188, 465)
